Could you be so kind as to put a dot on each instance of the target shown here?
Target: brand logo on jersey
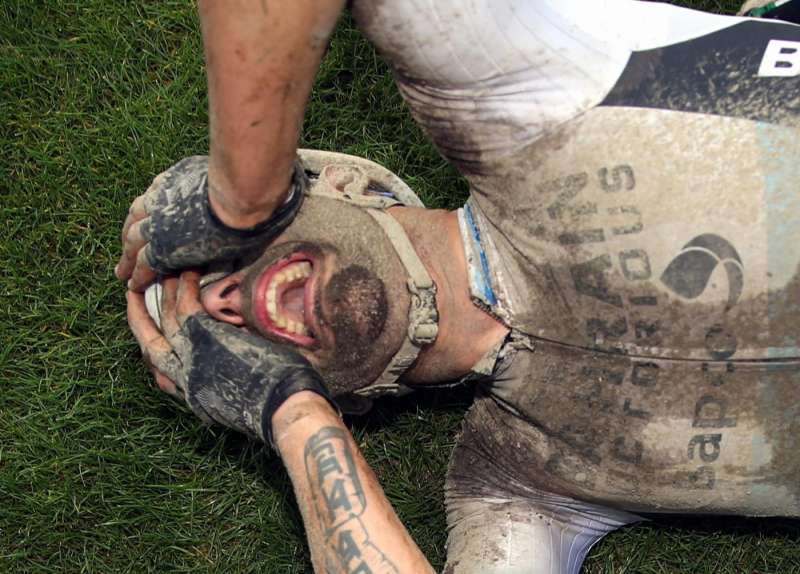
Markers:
(781, 59)
(689, 272)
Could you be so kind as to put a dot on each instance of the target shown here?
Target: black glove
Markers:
(232, 377)
(183, 231)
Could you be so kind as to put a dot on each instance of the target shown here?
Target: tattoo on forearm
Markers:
(339, 503)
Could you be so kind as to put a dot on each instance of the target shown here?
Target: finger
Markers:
(168, 386)
(152, 342)
(142, 275)
(165, 384)
(166, 365)
(134, 238)
(156, 350)
(188, 296)
(169, 295)
(136, 212)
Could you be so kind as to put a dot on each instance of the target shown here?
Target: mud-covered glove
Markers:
(225, 374)
(172, 226)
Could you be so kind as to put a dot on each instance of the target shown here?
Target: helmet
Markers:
(374, 188)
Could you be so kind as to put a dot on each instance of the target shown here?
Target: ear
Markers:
(223, 300)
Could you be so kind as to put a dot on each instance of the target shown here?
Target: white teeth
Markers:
(272, 309)
(292, 272)
(296, 327)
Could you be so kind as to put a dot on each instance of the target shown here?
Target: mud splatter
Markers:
(358, 312)
(647, 436)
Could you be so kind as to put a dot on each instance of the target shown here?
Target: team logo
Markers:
(781, 60)
(689, 272)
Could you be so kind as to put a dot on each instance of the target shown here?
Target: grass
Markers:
(98, 473)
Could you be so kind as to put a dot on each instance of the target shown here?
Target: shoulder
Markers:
(487, 77)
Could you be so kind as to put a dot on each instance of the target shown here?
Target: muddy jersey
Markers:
(635, 218)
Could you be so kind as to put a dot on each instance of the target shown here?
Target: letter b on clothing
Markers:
(781, 59)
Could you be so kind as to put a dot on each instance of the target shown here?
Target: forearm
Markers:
(261, 59)
(350, 524)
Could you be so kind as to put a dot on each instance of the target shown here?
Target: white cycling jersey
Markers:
(485, 77)
(634, 217)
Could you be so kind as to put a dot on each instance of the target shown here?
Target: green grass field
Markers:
(98, 472)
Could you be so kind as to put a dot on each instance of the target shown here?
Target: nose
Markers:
(223, 300)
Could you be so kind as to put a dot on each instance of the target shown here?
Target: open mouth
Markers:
(283, 299)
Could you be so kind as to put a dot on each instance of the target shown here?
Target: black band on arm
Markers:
(280, 218)
(295, 382)
(184, 231)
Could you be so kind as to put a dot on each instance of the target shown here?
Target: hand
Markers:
(224, 374)
(172, 225)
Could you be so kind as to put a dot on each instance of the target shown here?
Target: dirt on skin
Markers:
(357, 300)
(363, 300)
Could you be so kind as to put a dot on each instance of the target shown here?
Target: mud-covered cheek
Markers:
(358, 309)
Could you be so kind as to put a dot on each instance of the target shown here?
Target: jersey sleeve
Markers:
(485, 78)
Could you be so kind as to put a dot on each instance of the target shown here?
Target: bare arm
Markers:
(236, 379)
(261, 58)
(350, 524)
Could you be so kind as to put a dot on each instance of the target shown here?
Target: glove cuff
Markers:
(297, 381)
(277, 222)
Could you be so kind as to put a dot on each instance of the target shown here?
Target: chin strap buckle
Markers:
(423, 317)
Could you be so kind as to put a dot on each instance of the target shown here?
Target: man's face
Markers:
(331, 285)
